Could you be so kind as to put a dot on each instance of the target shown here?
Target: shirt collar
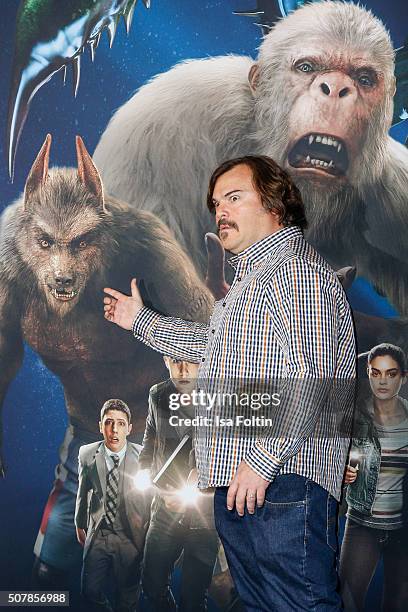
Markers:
(120, 454)
(257, 252)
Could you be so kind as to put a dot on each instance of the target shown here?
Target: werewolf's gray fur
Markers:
(93, 359)
(160, 148)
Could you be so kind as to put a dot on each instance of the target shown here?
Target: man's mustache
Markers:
(227, 223)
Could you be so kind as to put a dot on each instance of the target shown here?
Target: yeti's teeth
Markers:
(325, 164)
(324, 140)
(318, 139)
(64, 74)
(146, 3)
(339, 148)
(311, 139)
(308, 159)
(329, 141)
(335, 143)
(331, 164)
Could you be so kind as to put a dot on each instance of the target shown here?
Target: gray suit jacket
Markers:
(90, 503)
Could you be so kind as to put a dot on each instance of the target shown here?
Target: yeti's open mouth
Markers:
(320, 152)
(61, 294)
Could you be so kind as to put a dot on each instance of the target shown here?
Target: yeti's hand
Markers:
(120, 308)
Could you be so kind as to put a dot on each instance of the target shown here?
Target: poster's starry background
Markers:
(169, 32)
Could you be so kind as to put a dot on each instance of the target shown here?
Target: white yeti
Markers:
(318, 100)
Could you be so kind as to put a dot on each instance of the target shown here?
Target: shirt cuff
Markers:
(144, 323)
(262, 462)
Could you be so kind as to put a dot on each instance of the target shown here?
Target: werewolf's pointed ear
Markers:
(39, 171)
(88, 173)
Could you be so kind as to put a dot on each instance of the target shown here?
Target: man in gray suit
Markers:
(110, 514)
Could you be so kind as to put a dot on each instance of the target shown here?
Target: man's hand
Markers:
(81, 536)
(246, 485)
(351, 474)
(120, 308)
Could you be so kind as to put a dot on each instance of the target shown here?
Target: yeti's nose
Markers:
(64, 281)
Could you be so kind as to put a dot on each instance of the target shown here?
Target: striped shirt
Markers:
(285, 319)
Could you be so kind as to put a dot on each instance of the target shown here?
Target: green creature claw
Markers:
(50, 35)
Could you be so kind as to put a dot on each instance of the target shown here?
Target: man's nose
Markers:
(114, 427)
(222, 210)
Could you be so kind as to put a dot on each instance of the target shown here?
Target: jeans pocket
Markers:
(331, 523)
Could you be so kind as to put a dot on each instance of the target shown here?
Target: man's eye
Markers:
(365, 80)
(234, 198)
(45, 244)
(305, 67)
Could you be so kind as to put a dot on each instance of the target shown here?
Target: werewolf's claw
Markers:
(50, 35)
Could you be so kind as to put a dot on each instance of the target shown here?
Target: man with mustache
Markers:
(285, 320)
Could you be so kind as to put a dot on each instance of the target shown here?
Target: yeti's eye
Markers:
(365, 80)
(82, 244)
(45, 244)
(305, 67)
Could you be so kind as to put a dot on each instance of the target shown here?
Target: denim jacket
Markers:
(361, 493)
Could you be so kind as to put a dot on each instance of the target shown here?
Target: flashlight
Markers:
(142, 480)
(354, 459)
(189, 494)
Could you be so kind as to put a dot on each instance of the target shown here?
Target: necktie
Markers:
(112, 482)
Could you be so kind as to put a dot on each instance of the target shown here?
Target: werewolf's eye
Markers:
(45, 244)
(82, 244)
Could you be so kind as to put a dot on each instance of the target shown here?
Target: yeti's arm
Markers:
(11, 348)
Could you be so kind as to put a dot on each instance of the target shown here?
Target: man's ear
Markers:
(100, 427)
(253, 77)
(129, 428)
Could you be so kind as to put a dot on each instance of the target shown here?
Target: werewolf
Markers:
(60, 244)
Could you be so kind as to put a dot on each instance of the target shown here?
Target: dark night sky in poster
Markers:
(169, 32)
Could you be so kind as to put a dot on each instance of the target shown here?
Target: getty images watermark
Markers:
(201, 399)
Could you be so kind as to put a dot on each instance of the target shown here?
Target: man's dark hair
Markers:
(275, 187)
(393, 351)
(116, 404)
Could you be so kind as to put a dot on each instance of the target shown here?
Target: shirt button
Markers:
(213, 331)
(239, 278)
(203, 359)
(224, 303)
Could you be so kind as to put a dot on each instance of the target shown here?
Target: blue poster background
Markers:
(34, 415)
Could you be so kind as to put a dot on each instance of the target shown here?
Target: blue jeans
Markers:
(284, 556)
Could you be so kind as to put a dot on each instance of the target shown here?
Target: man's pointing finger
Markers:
(116, 294)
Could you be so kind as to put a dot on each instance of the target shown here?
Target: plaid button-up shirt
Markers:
(285, 318)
